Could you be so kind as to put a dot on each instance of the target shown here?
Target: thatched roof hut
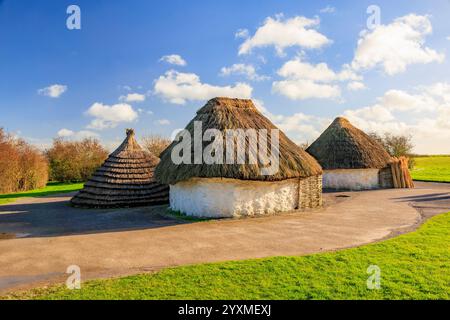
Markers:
(233, 188)
(124, 180)
(351, 159)
(343, 146)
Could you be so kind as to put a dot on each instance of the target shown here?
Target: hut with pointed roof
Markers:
(232, 185)
(124, 180)
(351, 160)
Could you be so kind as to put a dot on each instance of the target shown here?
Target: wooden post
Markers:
(394, 172)
(408, 174)
(402, 173)
(397, 173)
(405, 172)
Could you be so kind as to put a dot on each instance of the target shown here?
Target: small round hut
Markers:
(234, 185)
(124, 180)
(351, 160)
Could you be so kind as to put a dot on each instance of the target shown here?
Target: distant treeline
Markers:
(74, 161)
(24, 167)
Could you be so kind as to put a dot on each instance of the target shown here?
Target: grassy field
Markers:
(51, 188)
(413, 266)
(432, 168)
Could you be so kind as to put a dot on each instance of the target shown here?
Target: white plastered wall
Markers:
(351, 179)
(215, 197)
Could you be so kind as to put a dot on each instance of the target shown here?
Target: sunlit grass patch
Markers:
(51, 188)
(432, 168)
(413, 266)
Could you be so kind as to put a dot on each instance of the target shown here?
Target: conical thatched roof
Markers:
(124, 180)
(224, 114)
(343, 146)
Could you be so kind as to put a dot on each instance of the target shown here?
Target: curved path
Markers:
(155, 242)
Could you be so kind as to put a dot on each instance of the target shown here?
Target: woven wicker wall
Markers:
(385, 176)
(310, 192)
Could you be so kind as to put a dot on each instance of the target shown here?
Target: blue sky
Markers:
(396, 76)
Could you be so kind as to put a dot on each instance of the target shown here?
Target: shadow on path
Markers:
(54, 216)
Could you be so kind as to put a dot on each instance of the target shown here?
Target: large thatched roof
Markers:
(224, 114)
(343, 146)
(124, 180)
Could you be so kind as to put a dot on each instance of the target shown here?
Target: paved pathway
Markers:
(101, 249)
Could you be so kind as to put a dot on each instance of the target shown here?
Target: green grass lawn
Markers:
(432, 168)
(51, 188)
(413, 266)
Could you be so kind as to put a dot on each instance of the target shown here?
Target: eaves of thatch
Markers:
(224, 114)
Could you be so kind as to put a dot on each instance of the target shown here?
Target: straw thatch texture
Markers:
(124, 180)
(343, 146)
(224, 114)
(310, 192)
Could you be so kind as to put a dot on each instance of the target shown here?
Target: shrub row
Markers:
(73, 161)
(22, 166)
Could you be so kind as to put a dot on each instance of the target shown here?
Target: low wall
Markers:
(351, 179)
(216, 197)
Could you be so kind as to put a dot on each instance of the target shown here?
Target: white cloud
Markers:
(395, 46)
(283, 33)
(401, 101)
(376, 112)
(356, 85)
(65, 133)
(304, 80)
(328, 9)
(448, 38)
(106, 116)
(299, 127)
(301, 70)
(297, 69)
(247, 70)
(177, 88)
(163, 122)
(53, 91)
(241, 33)
(132, 97)
(301, 89)
(77, 135)
(173, 59)
(424, 114)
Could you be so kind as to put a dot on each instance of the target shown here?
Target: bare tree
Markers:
(304, 145)
(396, 145)
(155, 144)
